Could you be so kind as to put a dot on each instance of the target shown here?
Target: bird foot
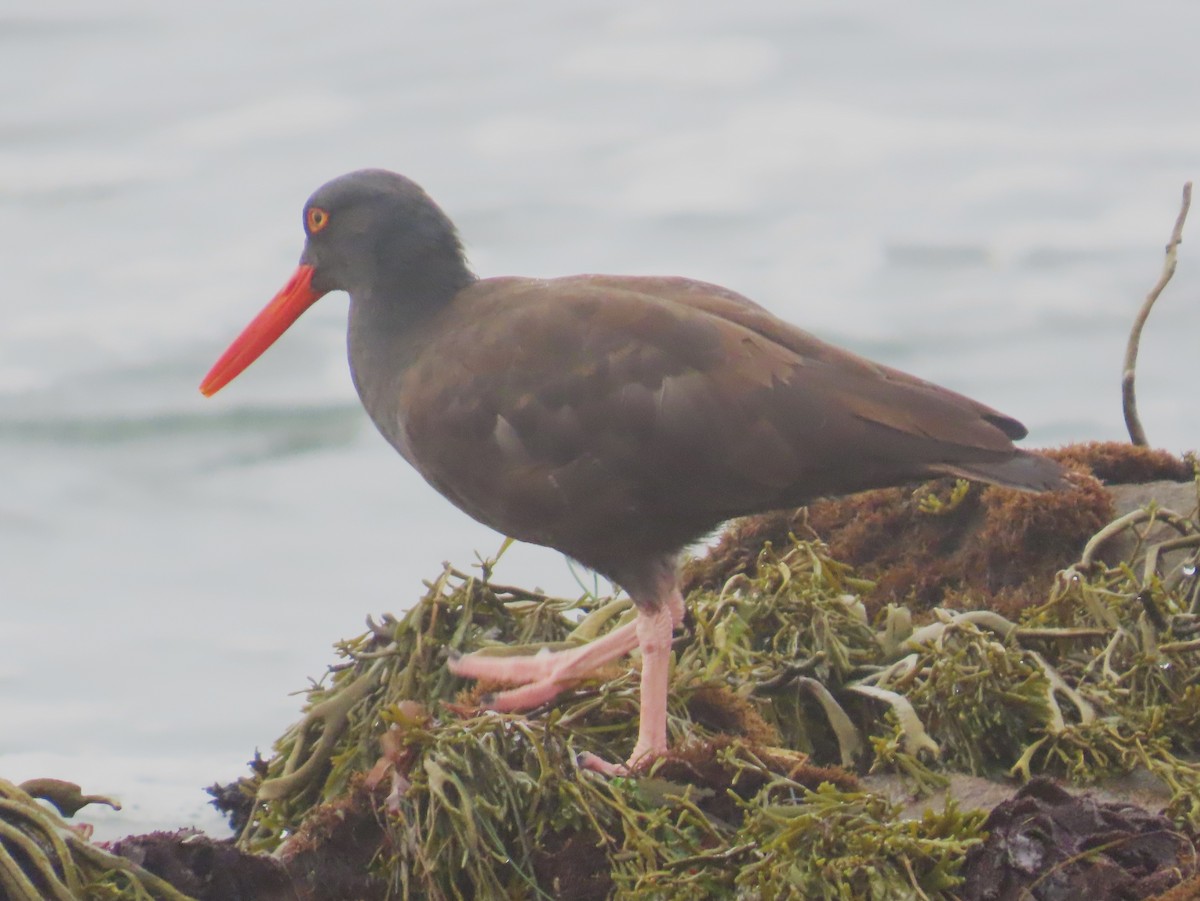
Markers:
(541, 677)
(526, 697)
(639, 762)
(597, 764)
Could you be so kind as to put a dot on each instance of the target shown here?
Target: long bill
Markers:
(276, 317)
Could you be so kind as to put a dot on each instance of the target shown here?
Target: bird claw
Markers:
(539, 678)
(542, 676)
(589, 761)
(639, 762)
(524, 697)
(520, 669)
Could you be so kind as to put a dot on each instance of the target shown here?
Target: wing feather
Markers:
(615, 399)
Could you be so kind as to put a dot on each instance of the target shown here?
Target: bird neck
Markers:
(386, 334)
(379, 309)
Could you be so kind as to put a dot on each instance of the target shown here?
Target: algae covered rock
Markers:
(794, 677)
(784, 687)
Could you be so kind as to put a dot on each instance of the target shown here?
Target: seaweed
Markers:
(42, 856)
(785, 686)
(782, 686)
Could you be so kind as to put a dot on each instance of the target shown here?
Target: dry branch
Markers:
(1137, 434)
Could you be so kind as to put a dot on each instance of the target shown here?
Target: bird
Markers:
(617, 419)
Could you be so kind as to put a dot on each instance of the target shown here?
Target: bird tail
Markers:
(1025, 471)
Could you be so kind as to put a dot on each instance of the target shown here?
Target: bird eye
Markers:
(316, 219)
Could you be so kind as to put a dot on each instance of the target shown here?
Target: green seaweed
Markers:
(774, 666)
(779, 680)
(43, 857)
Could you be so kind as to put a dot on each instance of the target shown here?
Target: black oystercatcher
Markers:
(615, 418)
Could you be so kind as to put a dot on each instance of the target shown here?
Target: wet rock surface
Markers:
(1051, 845)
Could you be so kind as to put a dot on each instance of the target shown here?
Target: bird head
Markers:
(372, 233)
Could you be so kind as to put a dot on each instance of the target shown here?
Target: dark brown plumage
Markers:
(616, 419)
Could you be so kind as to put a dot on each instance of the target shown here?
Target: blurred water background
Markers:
(978, 194)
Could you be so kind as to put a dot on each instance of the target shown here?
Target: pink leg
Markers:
(654, 639)
(543, 676)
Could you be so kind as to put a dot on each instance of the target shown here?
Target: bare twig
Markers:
(1136, 434)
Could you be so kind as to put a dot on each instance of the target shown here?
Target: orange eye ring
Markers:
(316, 219)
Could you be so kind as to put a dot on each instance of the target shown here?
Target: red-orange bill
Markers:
(284, 309)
